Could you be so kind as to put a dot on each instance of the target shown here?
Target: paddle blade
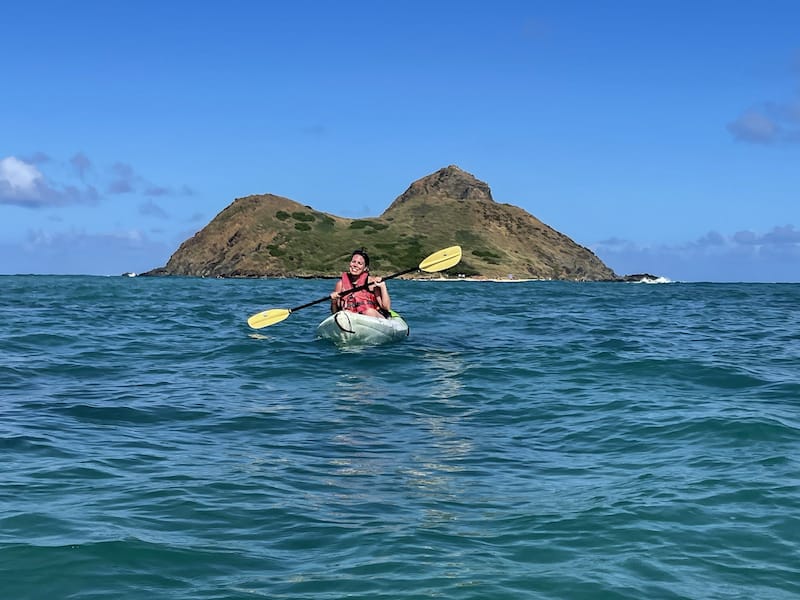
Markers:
(268, 317)
(441, 260)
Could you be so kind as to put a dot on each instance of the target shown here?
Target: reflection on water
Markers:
(445, 370)
(350, 390)
(399, 430)
(434, 473)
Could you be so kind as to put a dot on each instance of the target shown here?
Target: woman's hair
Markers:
(363, 254)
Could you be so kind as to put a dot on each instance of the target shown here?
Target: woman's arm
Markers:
(381, 292)
(335, 297)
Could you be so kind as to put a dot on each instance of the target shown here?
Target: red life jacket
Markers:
(358, 301)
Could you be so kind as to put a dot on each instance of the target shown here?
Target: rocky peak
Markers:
(450, 182)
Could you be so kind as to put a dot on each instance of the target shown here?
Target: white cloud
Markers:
(18, 179)
(22, 184)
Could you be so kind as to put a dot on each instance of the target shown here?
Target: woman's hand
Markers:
(376, 284)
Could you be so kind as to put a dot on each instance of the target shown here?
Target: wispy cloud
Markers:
(37, 158)
(756, 127)
(81, 163)
(316, 130)
(80, 252)
(769, 124)
(155, 190)
(151, 209)
(124, 179)
(23, 184)
(742, 256)
(769, 121)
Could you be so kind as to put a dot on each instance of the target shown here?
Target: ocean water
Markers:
(531, 440)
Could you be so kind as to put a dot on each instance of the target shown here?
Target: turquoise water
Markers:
(528, 440)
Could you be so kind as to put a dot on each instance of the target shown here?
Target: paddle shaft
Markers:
(351, 290)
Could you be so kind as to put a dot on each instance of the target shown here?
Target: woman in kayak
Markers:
(373, 301)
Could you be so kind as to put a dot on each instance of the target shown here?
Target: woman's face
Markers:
(357, 264)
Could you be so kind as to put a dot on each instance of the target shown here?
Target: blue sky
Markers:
(663, 135)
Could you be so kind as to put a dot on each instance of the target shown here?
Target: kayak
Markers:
(346, 327)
